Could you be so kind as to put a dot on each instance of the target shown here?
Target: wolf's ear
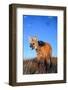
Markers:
(30, 39)
(35, 38)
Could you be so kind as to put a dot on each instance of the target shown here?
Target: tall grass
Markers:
(31, 66)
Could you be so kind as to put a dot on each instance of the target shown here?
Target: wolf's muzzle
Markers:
(31, 46)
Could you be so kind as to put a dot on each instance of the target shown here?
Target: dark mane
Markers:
(41, 43)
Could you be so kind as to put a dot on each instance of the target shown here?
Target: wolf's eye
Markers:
(33, 43)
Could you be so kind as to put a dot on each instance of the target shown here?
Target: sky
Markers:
(43, 27)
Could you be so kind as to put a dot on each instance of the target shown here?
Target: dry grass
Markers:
(32, 67)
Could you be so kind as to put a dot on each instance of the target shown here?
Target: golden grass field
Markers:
(30, 66)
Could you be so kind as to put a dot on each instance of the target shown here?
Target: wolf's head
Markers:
(33, 42)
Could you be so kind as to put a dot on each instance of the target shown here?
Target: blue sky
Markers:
(44, 27)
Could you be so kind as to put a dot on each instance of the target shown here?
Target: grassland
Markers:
(30, 66)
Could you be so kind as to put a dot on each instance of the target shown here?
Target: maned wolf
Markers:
(43, 50)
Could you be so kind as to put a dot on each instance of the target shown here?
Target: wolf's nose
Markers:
(30, 45)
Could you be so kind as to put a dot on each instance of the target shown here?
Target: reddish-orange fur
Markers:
(44, 52)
